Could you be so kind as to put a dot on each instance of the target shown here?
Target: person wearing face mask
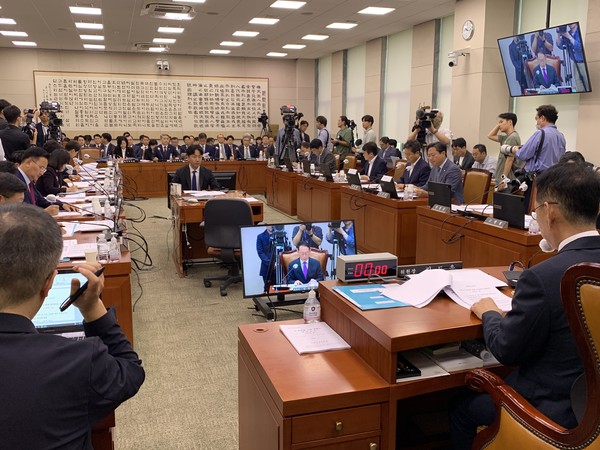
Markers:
(534, 335)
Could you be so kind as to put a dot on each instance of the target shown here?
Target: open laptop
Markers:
(388, 185)
(439, 193)
(511, 208)
(49, 319)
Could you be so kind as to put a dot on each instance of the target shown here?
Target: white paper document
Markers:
(205, 194)
(71, 249)
(313, 337)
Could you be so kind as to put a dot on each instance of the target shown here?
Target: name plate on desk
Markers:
(498, 223)
(383, 194)
(356, 187)
(441, 208)
(322, 179)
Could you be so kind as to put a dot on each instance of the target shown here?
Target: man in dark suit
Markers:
(544, 75)
(535, 335)
(3, 104)
(164, 151)
(42, 128)
(374, 167)
(54, 389)
(323, 156)
(443, 171)
(108, 149)
(417, 171)
(304, 269)
(304, 137)
(141, 147)
(13, 139)
(221, 150)
(463, 158)
(246, 150)
(205, 148)
(264, 248)
(194, 177)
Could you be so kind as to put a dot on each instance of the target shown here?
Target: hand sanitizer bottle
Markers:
(312, 308)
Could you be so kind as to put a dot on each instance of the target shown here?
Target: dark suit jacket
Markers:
(304, 137)
(450, 174)
(216, 151)
(535, 334)
(313, 271)
(538, 77)
(50, 182)
(163, 153)
(264, 250)
(129, 153)
(468, 161)
(326, 158)
(418, 176)
(39, 198)
(239, 154)
(41, 137)
(108, 150)
(55, 395)
(379, 168)
(13, 140)
(138, 151)
(205, 179)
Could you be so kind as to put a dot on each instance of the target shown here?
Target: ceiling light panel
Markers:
(315, 37)
(24, 43)
(4, 21)
(93, 46)
(190, 1)
(231, 43)
(285, 4)
(170, 30)
(85, 10)
(375, 10)
(342, 25)
(246, 33)
(13, 33)
(89, 26)
(294, 46)
(276, 54)
(264, 21)
(157, 49)
(220, 51)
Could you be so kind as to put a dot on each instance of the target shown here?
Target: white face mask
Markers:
(545, 246)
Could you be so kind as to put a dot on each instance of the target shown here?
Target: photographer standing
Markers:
(342, 233)
(13, 139)
(309, 233)
(291, 141)
(321, 124)
(570, 40)
(433, 132)
(541, 42)
(342, 143)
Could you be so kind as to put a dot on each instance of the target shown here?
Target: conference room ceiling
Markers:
(50, 24)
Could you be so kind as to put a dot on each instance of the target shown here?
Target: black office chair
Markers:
(223, 218)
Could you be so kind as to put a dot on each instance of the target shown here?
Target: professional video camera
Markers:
(280, 239)
(264, 119)
(54, 122)
(290, 115)
(29, 127)
(523, 48)
(352, 125)
(425, 117)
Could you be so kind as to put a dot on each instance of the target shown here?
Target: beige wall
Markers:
(423, 59)
(290, 81)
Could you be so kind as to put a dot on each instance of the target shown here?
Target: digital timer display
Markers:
(367, 267)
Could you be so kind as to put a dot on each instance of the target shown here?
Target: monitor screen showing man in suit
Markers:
(304, 269)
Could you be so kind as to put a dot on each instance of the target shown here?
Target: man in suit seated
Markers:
(304, 269)
(108, 148)
(443, 171)
(387, 151)
(11, 188)
(534, 335)
(194, 177)
(462, 157)
(54, 390)
(323, 156)
(205, 148)
(417, 171)
(221, 150)
(374, 167)
(246, 150)
(164, 151)
(544, 75)
(141, 147)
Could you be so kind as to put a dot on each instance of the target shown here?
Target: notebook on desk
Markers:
(50, 320)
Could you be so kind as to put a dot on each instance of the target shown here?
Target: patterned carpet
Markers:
(186, 336)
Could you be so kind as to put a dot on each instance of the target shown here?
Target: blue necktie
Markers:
(194, 183)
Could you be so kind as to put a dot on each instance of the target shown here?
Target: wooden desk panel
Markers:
(317, 200)
(281, 190)
(481, 245)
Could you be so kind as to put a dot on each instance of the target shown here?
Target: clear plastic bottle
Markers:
(103, 249)
(107, 210)
(312, 308)
(114, 248)
(261, 155)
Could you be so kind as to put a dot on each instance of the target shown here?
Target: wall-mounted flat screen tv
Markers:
(546, 62)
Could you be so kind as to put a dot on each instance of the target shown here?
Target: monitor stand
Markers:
(266, 305)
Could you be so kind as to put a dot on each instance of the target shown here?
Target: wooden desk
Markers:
(281, 190)
(150, 179)
(291, 401)
(317, 200)
(188, 217)
(382, 224)
(481, 245)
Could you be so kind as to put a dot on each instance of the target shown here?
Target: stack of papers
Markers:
(313, 337)
(71, 249)
(204, 194)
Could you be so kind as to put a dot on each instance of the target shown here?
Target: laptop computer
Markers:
(439, 193)
(50, 320)
(511, 208)
(387, 185)
(306, 165)
(353, 178)
(326, 171)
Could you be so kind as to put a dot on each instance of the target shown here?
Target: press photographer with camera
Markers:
(342, 143)
(542, 42)
(13, 139)
(569, 40)
(288, 137)
(427, 128)
(309, 233)
(341, 232)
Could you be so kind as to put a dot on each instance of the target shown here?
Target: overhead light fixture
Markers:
(91, 37)
(171, 30)
(4, 21)
(276, 54)
(294, 46)
(158, 49)
(220, 51)
(376, 10)
(164, 40)
(94, 46)
(24, 43)
(342, 25)
(264, 21)
(286, 4)
(246, 33)
(315, 37)
(231, 44)
(85, 10)
(89, 26)
(179, 16)
(14, 33)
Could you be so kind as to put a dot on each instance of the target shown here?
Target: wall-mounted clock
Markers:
(468, 29)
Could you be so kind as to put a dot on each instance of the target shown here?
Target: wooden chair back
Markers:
(476, 185)
(89, 154)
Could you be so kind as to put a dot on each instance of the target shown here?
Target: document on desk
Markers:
(368, 296)
(71, 249)
(205, 194)
(313, 337)
(96, 225)
(465, 287)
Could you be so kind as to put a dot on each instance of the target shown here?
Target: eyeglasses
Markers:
(42, 169)
(534, 212)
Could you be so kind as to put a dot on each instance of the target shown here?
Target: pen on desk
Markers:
(72, 298)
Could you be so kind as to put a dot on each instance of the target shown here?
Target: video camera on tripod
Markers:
(54, 122)
(290, 115)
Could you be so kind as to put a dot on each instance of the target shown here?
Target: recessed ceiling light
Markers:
(157, 49)
(286, 4)
(220, 51)
(264, 21)
(164, 40)
(24, 43)
(294, 46)
(276, 54)
(172, 30)
(4, 21)
(342, 25)
(376, 10)
(231, 43)
(13, 33)
(89, 26)
(246, 33)
(93, 46)
(91, 37)
(178, 16)
(85, 10)
(315, 37)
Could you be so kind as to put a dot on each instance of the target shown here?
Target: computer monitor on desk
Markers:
(511, 208)
(439, 194)
(226, 179)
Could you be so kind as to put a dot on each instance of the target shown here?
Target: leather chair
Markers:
(89, 154)
(476, 185)
(518, 424)
(351, 162)
(553, 61)
(320, 255)
(223, 218)
(399, 171)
